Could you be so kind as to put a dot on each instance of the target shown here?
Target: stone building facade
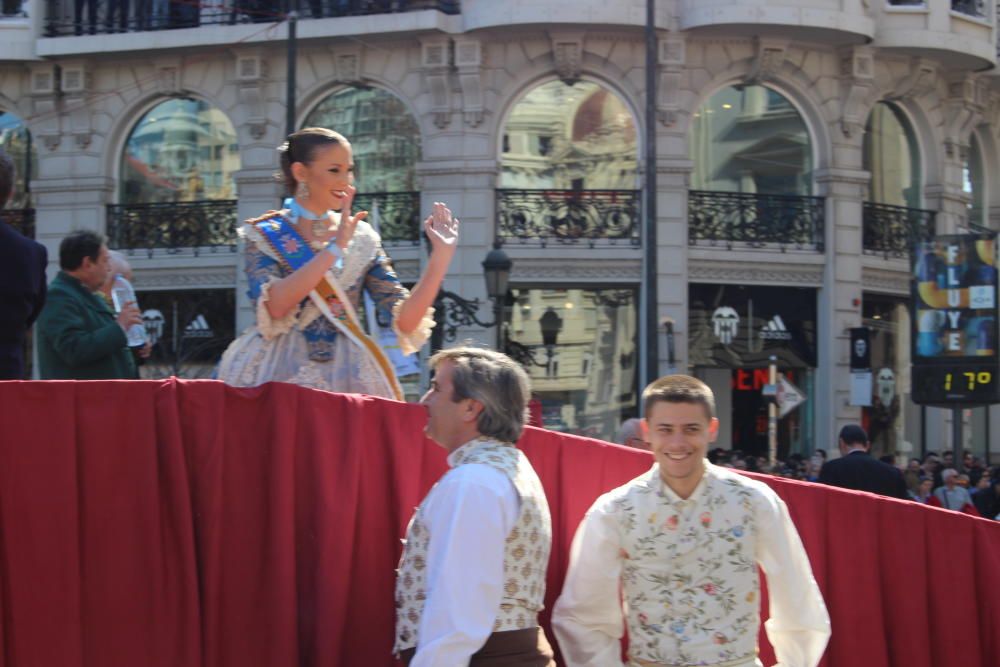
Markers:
(856, 124)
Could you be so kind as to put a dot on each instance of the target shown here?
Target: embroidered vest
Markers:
(526, 551)
(689, 575)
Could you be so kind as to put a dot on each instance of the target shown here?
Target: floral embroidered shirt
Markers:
(687, 570)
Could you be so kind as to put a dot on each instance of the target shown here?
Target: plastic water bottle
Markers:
(121, 294)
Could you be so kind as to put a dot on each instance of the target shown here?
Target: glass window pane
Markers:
(15, 140)
(181, 150)
(569, 137)
(890, 154)
(750, 139)
(588, 384)
(383, 134)
(973, 182)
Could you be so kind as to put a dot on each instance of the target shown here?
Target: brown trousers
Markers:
(523, 648)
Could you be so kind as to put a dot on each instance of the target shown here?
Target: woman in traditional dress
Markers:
(307, 267)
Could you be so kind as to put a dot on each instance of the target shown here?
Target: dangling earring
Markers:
(302, 191)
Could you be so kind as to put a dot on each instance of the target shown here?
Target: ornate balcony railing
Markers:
(92, 17)
(593, 217)
(21, 219)
(891, 231)
(755, 220)
(173, 225)
(398, 215)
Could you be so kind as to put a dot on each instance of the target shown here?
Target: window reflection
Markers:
(588, 385)
(972, 183)
(569, 137)
(383, 134)
(890, 154)
(182, 150)
(750, 139)
(15, 140)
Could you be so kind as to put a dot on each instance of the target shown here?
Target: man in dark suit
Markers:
(856, 469)
(79, 337)
(22, 283)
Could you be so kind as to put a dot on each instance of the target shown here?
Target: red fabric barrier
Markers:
(191, 524)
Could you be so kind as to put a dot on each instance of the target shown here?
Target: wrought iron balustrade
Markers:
(755, 220)
(398, 215)
(21, 219)
(173, 225)
(92, 17)
(592, 217)
(891, 231)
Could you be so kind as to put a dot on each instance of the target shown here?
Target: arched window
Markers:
(974, 183)
(181, 150)
(569, 167)
(890, 154)
(385, 138)
(579, 137)
(750, 139)
(384, 135)
(15, 141)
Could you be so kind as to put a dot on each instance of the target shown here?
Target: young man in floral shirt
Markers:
(682, 543)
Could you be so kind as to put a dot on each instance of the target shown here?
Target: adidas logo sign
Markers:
(775, 330)
(198, 328)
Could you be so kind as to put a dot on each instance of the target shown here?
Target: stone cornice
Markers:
(754, 273)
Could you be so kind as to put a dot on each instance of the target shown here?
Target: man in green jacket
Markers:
(79, 337)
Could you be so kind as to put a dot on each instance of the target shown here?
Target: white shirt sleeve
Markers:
(799, 625)
(587, 619)
(469, 515)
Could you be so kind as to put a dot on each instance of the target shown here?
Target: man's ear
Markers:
(644, 429)
(472, 410)
(713, 429)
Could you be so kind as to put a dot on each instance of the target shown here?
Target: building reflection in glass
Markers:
(588, 384)
(181, 150)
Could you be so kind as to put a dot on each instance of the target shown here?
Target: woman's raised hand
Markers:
(348, 222)
(442, 230)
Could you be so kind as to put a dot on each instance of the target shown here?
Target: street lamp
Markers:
(456, 311)
(551, 326)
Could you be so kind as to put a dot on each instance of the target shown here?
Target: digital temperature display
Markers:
(955, 385)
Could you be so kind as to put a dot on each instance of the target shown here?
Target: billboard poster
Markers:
(955, 320)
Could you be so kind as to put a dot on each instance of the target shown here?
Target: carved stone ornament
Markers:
(672, 58)
(920, 81)
(435, 58)
(963, 112)
(769, 56)
(857, 84)
(468, 61)
(567, 56)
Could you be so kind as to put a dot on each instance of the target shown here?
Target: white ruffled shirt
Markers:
(687, 572)
(470, 512)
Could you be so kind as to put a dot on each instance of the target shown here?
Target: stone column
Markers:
(839, 303)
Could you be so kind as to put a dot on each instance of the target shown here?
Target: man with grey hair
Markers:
(471, 580)
(630, 434)
(22, 283)
(120, 266)
(950, 494)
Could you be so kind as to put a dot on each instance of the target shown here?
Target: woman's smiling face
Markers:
(328, 176)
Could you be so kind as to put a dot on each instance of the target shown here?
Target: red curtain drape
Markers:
(186, 523)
